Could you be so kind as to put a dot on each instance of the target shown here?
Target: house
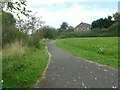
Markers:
(83, 27)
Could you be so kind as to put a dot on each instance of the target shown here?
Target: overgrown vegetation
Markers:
(103, 50)
(103, 27)
(112, 31)
(47, 32)
(0, 30)
(24, 57)
(22, 65)
(103, 22)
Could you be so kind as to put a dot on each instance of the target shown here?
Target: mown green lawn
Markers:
(103, 50)
(23, 70)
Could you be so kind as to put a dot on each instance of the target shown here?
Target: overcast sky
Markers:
(54, 12)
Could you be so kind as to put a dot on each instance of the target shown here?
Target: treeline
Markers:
(10, 32)
(103, 27)
(103, 22)
(31, 31)
(25, 31)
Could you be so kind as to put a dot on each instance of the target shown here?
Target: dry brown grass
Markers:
(14, 48)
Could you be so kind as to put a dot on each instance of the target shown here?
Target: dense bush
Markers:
(33, 41)
(22, 65)
(47, 32)
(10, 33)
(103, 22)
(114, 29)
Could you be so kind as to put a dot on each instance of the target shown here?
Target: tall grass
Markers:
(14, 49)
(22, 65)
(0, 69)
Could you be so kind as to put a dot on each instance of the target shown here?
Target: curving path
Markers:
(67, 71)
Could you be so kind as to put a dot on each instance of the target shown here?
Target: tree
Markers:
(70, 28)
(109, 18)
(48, 32)
(103, 22)
(31, 25)
(64, 25)
(9, 31)
(35, 23)
(116, 16)
(18, 7)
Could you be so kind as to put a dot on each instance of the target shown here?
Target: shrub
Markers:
(113, 30)
(22, 65)
(33, 41)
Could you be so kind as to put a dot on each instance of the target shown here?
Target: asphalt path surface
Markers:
(68, 71)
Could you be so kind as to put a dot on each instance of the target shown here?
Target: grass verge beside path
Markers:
(103, 50)
(23, 67)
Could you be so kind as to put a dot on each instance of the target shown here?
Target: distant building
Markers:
(83, 27)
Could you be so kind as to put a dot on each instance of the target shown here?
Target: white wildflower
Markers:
(2, 81)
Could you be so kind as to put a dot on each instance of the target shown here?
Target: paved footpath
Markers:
(68, 71)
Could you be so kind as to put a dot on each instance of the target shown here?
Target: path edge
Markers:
(44, 73)
(86, 60)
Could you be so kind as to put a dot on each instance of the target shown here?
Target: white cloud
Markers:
(73, 15)
(46, 2)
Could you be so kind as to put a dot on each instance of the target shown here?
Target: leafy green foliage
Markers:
(23, 66)
(114, 29)
(8, 18)
(64, 25)
(8, 28)
(102, 50)
(0, 16)
(48, 32)
(70, 28)
(9, 31)
(24, 63)
(117, 16)
(0, 31)
(103, 27)
(11, 34)
(103, 23)
(16, 7)
(33, 41)
(65, 31)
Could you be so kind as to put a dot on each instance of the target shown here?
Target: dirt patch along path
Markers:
(67, 71)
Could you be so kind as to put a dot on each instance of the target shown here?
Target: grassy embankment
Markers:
(22, 65)
(103, 50)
